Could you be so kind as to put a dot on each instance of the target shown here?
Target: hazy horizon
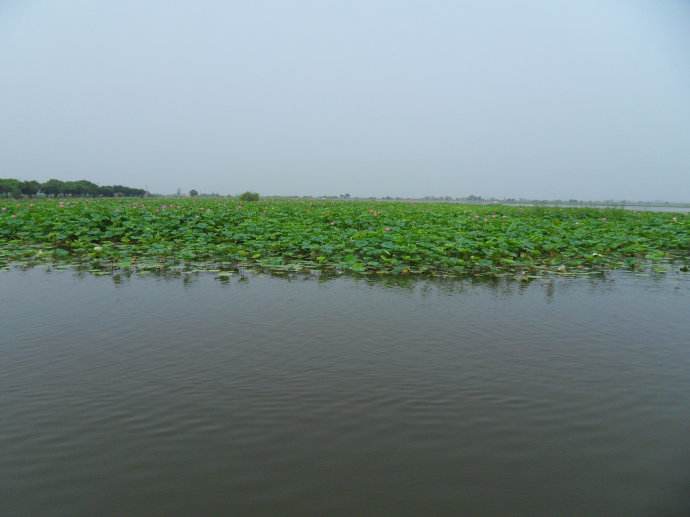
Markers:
(538, 99)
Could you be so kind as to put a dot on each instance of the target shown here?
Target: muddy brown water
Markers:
(269, 396)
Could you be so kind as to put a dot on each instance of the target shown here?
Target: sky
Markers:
(541, 99)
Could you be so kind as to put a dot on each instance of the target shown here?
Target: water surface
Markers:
(276, 397)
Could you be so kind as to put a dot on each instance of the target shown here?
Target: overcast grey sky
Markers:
(584, 99)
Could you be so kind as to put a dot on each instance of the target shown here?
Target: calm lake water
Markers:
(634, 208)
(679, 209)
(276, 397)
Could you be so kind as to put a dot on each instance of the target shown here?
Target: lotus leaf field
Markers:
(357, 237)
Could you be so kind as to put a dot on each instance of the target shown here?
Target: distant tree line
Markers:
(16, 188)
(249, 196)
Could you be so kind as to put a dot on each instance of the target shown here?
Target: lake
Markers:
(634, 208)
(271, 396)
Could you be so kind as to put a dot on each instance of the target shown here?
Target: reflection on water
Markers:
(258, 395)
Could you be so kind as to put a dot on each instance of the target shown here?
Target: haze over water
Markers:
(539, 99)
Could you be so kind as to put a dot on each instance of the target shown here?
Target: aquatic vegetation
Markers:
(336, 236)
